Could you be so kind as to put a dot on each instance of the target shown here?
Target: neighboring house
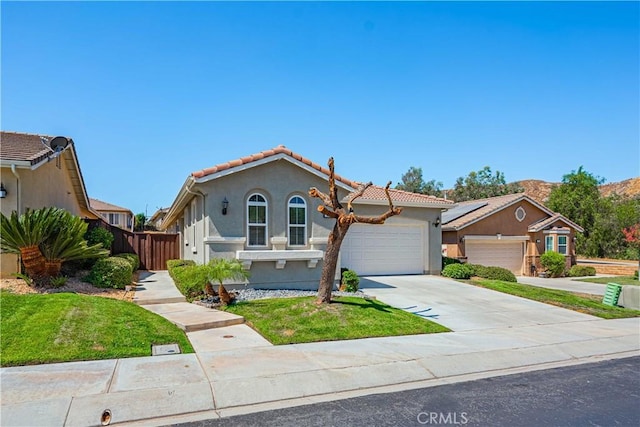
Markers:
(114, 215)
(34, 175)
(257, 209)
(158, 216)
(507, 231)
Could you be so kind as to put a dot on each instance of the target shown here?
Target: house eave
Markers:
(403, 204)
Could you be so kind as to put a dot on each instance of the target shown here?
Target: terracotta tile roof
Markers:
(101, 206)
(280, 149)
(373, 193)
(24, 147)
(493, 204)
(398, 196)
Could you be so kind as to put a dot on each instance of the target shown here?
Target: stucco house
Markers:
(257, 209)
(34, 175)
(114, 215)
(509, 231)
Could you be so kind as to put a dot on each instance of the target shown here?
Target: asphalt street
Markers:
(597, 394)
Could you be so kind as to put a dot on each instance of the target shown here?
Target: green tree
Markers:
(139, 221)
(412, 181)
(483, 184)
(578, 198)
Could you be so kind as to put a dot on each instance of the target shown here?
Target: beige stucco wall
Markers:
(48, 185)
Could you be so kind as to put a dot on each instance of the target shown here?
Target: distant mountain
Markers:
(540, 190)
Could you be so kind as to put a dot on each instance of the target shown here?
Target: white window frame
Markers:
(266, 219)
(302, 205)
(114, 218)
(566, 245)
(193, 212)
(547, 239)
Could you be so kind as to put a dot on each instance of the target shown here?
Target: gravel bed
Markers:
(253, 294)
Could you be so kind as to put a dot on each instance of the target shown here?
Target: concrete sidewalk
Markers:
(565, 284)
(251, 375)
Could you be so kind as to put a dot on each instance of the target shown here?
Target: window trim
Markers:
(566, 245)
(546, 243)
(266, 220)
(302, 205)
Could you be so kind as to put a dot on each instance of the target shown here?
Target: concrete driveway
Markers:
(565, 284)
(463, 307)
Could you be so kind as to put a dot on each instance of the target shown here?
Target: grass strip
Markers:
(300, 320)
(66, 327)
(620, 280)
(583, 303)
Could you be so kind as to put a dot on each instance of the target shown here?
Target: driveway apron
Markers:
(463, 307)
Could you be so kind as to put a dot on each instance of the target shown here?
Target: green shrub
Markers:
(190, 279)
(57, 282)
(458, 271)
(476, 269)
(350, 281)
(133, 259)
(635, 274)
(447, 261)
(172, 263)
(553, 262)
(112, 272)
(581, 270)
(100, 235)
(496, 273)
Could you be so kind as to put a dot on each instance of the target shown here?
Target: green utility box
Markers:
(612, 294)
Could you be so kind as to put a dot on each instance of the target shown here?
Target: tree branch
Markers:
(328, 212)
(314, 192)
(333, 190)
(358, 193)
(380, 219)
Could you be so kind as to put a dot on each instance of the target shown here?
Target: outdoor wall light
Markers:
(225, 205)
(437, 222)
(537, 240)
(3, 191)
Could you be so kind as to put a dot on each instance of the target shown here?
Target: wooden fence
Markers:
(154, 249)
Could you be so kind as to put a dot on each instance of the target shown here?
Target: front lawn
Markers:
(300, 320)
(620, 280)
(583, 303)
(68, 327)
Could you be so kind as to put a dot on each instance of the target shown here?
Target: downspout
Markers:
(204, 223)
(15, 173)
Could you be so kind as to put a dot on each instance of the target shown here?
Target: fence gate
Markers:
(154, 249)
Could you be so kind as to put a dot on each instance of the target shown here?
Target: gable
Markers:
(504, 221)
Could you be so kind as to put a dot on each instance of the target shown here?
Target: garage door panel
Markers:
(384, 249)
(506, 254)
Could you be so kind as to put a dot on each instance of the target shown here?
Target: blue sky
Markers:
(155, 90)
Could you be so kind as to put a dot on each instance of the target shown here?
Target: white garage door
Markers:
(500, 253)
(384, 249)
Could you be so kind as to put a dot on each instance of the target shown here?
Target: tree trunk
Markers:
(208, 289)
(330, 263)
(225, 298)
(52, 268)
(33, 260)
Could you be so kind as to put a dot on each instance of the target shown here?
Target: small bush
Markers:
(458, 271)
(350, 281)
(57, 282)
(172, 263)
(635, 274)
(476, 269)
(112, 272)
(497, 273)
(190, 279)
(581, 270)
(133, 259)
(447, 261)
(553, 262)
(99, 235)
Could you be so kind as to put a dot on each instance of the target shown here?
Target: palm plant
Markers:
(23, 234)
(67, 243)
(221, 269)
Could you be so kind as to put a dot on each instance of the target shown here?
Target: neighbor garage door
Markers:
(384, 249)
(500, 253)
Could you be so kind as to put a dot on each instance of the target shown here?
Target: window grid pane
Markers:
(562, 245)
(548, 243)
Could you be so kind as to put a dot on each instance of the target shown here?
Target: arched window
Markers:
(297, 221)
(257, 220)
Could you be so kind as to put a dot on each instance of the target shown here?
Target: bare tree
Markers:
(344, 218)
